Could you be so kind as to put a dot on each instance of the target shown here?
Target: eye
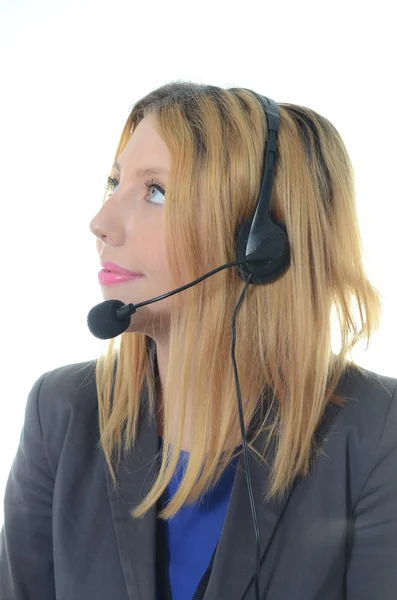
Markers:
(110, 184)
(149, 185)
(155, 185)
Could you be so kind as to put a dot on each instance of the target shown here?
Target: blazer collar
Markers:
(137, 537)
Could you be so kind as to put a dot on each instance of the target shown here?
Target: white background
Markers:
(70, 72)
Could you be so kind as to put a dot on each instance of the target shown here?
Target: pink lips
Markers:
(112, 274)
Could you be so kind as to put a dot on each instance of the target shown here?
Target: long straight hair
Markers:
(287, 370)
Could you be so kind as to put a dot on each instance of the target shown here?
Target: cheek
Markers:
(158, 256)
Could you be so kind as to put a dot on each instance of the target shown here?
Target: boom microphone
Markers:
(112, 317)
(103, 320)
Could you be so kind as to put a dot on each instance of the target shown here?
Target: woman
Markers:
(151, 431)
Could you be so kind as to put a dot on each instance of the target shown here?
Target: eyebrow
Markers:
(144, 172)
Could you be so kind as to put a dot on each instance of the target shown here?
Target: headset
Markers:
(262, 250)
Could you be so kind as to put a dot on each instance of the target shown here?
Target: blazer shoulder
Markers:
(364, 429)
(64, 399)
(65, 386)
(368, 397)
(71, 377)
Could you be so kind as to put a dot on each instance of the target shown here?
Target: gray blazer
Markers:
(68, 535)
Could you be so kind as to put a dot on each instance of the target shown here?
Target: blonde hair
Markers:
(216, 139)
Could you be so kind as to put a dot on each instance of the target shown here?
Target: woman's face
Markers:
(130, 230)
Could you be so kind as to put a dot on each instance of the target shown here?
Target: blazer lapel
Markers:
(136, 537)
(236, 552)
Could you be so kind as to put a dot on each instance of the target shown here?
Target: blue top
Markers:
(194, 531)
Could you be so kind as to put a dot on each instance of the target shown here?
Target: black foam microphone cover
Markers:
(102, 320)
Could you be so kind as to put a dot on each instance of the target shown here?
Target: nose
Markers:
(106, 235)
(110, 222)
(97, 229)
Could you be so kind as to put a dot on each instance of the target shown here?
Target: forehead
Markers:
(145, 144)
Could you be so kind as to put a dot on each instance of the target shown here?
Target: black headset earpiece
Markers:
(271, 257)
(263, 239)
